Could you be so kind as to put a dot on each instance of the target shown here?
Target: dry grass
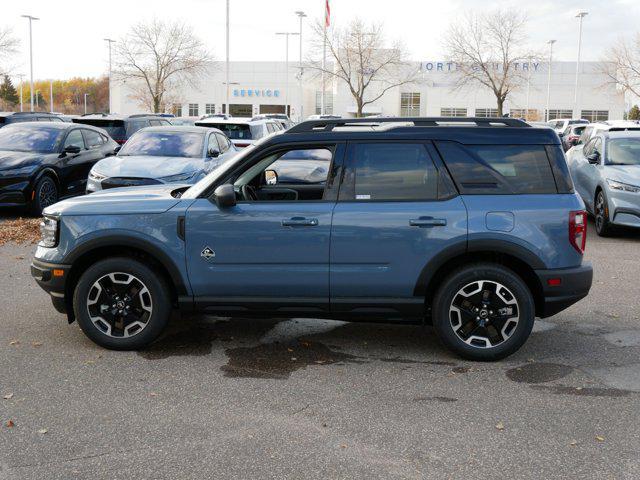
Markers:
(20, 230)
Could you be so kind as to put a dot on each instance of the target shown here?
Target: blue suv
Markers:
(469, 224)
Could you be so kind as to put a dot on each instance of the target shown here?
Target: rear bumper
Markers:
(573, 284)
(52, 282)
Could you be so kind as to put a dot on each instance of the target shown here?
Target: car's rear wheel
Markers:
(483, 312)
(601, 215)
(45, 193)
(122, 304)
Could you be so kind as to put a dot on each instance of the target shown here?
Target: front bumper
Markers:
(15, 191)
(563, 287)
(624, 208)
(52, 278)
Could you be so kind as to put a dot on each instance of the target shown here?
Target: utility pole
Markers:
(226, 109)
(580, 16)
(550, 42)
(286, 67)
(109, 42)
(31, 19)
(51, 96)
(21, 76)
(85, 103)
(301, 15)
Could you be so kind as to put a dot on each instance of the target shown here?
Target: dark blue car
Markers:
(471, 225)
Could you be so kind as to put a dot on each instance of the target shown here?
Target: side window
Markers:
(597, 145)
(584, 137)
(270, 128)
(499, 169)
(74, 137)
(136, 125)
(588, 148)
(213, 143)
(223, 142)
(92, 139)
(391, 171)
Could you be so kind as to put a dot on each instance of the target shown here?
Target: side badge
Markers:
(207, 253)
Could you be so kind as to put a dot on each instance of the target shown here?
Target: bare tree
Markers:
(359, 57)
(159, 56)
(622, 67)
(487, 48)
(8, 46)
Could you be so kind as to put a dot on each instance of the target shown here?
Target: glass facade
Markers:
(533, 114)
(453, 112)
(328, 102)
(241, 110)
(177, 110)
(486, 112)
(410, 104)
(209, 108)
(193, 110)
(559, 113)
(595, 115)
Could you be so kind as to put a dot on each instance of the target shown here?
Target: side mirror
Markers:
(225, 196)
(72, 149)
(271, 177)
(594, 158)
(213, 153)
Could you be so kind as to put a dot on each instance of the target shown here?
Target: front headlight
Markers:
(181, 177)
(615, 185)
(49, 232)
(93, 175)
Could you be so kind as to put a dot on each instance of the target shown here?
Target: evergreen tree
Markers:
(634, 113)
(8, 92)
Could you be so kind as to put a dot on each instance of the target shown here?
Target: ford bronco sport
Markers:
(469, 224)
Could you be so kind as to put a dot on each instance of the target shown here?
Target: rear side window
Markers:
(235, 131)
(499, 169)
(391, 172)
(115, 128)
(136, 125)
(92, 139)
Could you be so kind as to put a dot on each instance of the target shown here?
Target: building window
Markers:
(486, 112)
(328, 103)
(241, 110)
(533, 114)
(595, 115)
(193, 109)
(559, 113)
(453, 112)
(410, 104)
(177, 110)
(209, 108)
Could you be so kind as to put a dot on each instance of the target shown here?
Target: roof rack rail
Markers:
(328, 125)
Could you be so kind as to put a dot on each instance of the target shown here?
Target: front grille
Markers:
(115, 182)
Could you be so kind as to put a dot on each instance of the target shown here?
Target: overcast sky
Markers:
(68, 37)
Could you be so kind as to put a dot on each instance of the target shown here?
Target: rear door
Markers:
(73, 165)
(397, 211)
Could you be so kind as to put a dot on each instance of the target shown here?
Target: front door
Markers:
(396, 212)
(270, 250)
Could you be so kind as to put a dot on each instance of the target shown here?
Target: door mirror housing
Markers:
(72, 149)
(594, 158)
(117, 149)
(213, 153)
(271, 177)
(225, 196)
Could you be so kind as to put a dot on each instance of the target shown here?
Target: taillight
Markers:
(120, 141)
(578, 230)
(242, 145)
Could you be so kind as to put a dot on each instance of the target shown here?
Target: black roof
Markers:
(25, 114)
(466, 130)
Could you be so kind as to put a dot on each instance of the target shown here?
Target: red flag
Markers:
(327, 14)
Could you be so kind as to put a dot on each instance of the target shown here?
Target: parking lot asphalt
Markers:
(240, 398)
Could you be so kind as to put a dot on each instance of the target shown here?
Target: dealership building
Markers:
(267, 87)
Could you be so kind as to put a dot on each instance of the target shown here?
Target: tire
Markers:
(45, 193)
(462, 333)
(601, 215)
(107, 288)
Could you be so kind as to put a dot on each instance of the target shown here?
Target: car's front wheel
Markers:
(45, 193)
(483, 312)
(601, 215)
(122, 304)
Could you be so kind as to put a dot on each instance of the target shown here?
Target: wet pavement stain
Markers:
(583, 391)
(280, 360)
(422, 362)
(436, 399)
(538, 372)
(462, 369)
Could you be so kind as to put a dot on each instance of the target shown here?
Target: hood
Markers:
(147, 166)
(118, 201)
(10, 160)
(623, 173)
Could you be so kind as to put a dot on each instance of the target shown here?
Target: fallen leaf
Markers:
(42, 431)
(343, 446)
(10, 424)
(289, 349)
(36, 344)
(600, 438)
(500, 426)
(305, 344)
(573, 443)
(8, 396)
(14, 342)
(153, 394)
(293, 359)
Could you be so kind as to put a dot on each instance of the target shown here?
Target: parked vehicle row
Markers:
(242, 132)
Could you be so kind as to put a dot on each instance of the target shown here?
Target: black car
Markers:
(41, 162)
(121, 128)
(7, 118)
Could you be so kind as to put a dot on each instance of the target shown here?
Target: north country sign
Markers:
(255, 92)
(445, 67)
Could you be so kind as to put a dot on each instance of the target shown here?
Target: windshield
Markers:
(623, 151)
(235, 131)
(21, 138)
(164, 144)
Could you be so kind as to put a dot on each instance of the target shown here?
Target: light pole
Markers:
(109, 42)
(580, 16)
(85, 103)
(226, 69)
(300, 15)
(286, 68)
(550, 42)
(30, 57)
(21, 76)
(51, 96)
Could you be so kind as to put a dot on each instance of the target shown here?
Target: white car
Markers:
(560, 124)
(242, 131)
(608, 126)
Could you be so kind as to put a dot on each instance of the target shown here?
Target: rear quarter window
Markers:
(499, 169)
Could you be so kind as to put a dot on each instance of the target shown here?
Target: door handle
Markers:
(427, 222)
(300, 222)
